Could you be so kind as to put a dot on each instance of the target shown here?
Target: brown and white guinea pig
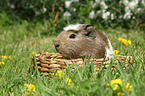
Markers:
(82, 40)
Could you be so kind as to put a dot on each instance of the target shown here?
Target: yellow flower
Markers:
(30, 88)
(128, 86)
(2, 63)
(129, 42)
(115, 51)
(28, 93)
(126, 44)
(115, 88)
(120, 39)
(119, 93)
(26, 85)
(33, 52)
(9, 57)
(124, 41)
(68, 80)
(116, 82)
(136, 58)
(59, 73)
(4, 57)
(69, 84)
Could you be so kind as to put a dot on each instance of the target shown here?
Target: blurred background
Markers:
(50, 16)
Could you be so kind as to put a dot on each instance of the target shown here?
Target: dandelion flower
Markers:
(68, 80)
(124, 41)
(29, 88)
(4, 57)
(118, 88)
(33, 52)
(128, 86)
(120, 39)
(116, 82)
(129, 42)
(115, 88)
(59, 73)
(2, 63)
(69, 84)
(115, 51)
(126, 44)
(119, 93)
(28, 93)
(9, 57)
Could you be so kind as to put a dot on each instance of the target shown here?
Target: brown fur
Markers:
(88, 42)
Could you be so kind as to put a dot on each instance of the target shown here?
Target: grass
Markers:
(21, 40)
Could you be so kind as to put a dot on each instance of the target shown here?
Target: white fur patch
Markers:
(72, 27)
(109, 50)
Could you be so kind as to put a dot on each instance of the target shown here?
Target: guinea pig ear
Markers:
(89, 31)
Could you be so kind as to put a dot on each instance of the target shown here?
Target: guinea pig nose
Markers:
(57, 48)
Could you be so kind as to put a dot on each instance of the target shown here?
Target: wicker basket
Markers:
(48, 62)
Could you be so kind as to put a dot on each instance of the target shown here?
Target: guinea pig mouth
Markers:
(68, 54)
(57, 48)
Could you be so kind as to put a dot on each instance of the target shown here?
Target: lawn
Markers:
(17, 43)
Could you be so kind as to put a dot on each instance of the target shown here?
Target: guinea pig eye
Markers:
(72, 36)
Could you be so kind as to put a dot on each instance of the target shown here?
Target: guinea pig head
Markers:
(79, 41)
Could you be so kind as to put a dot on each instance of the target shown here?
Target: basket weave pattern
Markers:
(48, 62)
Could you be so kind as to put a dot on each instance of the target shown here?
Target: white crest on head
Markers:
(109, 50)
(72, 27)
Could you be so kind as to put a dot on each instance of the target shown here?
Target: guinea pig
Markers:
(81, 40)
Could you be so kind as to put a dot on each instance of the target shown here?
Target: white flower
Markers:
(127, 9)
(67, 4)
(132, 5)
(105, 15)
(66, 15)
(98, 12)
(143, 2)
(136, 1)
(139, 10)
(120, 16)
(103, 5)
(127, 15)
(93, 4)
(103, 11)
(75, 0)
(112, 16)
(120, 2)
(37, 13)
(92, 15)
(74, 9)
(108, 13)
(133, 17)
(12, 6)
(98, 1)
(125, 2)
(44, 10)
